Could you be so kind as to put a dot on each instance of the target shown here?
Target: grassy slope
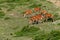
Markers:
(12, 23)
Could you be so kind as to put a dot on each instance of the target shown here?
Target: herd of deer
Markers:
(41, 17)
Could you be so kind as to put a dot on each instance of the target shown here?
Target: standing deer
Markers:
(36, 9)
(49, 16)
(27, 12)
(36, 19)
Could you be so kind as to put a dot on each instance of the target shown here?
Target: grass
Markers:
(27, 31)
(17, 25)
(7, 18)
(35, 5)
(53, 35)
(37, 34)
(56, 16)
(12, 6)
(2, 14)
(58, 24)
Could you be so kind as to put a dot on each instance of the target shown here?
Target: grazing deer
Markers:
(36, 19)
(27, 12)
(49, 16)
(37, 9)
(43, 12)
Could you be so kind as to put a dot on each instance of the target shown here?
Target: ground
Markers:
(12, 20)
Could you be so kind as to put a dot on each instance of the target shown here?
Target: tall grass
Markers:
(36, 34)
(56, 16)
(27, 31)
(53, 35)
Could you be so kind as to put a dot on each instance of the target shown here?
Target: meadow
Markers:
(13, 26)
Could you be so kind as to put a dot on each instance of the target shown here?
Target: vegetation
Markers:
(58, 24)
(27, 31)
(16, 23)
(6, 18)
(35, 5)
(53, 35)
(2, 14)
(36, 34)
(56, 16)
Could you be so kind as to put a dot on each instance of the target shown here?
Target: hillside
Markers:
(13, 26)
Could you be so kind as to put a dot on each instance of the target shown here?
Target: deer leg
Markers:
(52, 19)
(46, 19)
(24, 15)
(36, 22)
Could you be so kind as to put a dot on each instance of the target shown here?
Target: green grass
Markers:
(11, 6)
(17, 25)
(36, 34)
(2, 14)
(7, 18)
(27, 31)
(53, 35)
(58, 24)
(56, 16)
(35, 5)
